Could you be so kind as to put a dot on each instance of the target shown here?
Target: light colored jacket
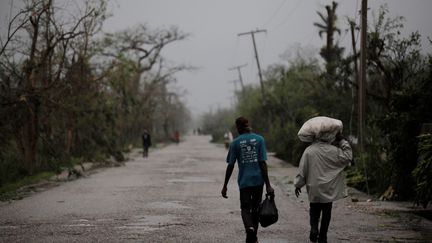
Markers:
(321, 169)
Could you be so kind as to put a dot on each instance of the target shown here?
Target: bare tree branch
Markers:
(11, 33)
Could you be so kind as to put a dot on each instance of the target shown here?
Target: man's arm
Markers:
(228, 173)
(300, 179)
(345, 153)
(264, 171)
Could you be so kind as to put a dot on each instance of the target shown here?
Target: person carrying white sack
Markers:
(321, 170)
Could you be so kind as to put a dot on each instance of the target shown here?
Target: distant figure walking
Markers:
(321, 170)
(177, 137)
(249, 150)
(228, 137)
(146, 140)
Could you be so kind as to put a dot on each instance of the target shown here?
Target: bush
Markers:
(423, 171)
(9, 163)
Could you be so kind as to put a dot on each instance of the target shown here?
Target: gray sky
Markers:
(214, 46)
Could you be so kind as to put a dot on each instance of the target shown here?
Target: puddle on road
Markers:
(81, 220)
(167, 205)
(273, 240)
(176, 170)
(9, 227)
(143, 224)
(80, 225)
(106, 220)
(189, 160)
(190, 179)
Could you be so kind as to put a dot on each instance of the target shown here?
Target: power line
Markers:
(275, 12)
(289, 15)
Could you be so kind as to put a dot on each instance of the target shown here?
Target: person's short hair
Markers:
(242, 124)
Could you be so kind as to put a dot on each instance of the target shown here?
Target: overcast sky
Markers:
(213, 45)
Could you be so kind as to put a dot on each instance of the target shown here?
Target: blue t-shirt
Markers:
(248, 150)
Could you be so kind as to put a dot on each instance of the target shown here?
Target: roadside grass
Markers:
(10, 190)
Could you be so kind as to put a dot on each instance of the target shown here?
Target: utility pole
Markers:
(239, 73)
(352, 24)
(362, 79)
(362, 83)
(252, 33)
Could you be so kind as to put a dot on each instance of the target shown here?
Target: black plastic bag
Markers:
(268, 213)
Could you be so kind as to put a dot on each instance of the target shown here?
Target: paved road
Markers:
(174, 196)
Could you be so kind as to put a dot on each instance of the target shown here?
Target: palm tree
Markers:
(330, 52)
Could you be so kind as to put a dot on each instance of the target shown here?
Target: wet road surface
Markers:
(174, 196)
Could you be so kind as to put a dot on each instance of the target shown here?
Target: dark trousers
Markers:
(145, 151)
(250, 198)
(315, 212)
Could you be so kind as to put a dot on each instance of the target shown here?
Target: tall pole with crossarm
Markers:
(239, 74)
(252, 33)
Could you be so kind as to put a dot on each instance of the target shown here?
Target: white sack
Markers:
(320, 127)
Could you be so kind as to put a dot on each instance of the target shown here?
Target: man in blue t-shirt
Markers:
(249, 150)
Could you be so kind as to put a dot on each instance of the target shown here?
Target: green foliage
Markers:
(251, 105)
(293, 95)
(423, 171)
(218, 123)
(401, 82)
(9, 163)
(356, 178)
(372, 166)
(291, 98)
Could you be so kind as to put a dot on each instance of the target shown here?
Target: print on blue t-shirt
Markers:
(248, 149)
(249, 153)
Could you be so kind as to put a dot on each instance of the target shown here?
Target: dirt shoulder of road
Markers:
(68, 174)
